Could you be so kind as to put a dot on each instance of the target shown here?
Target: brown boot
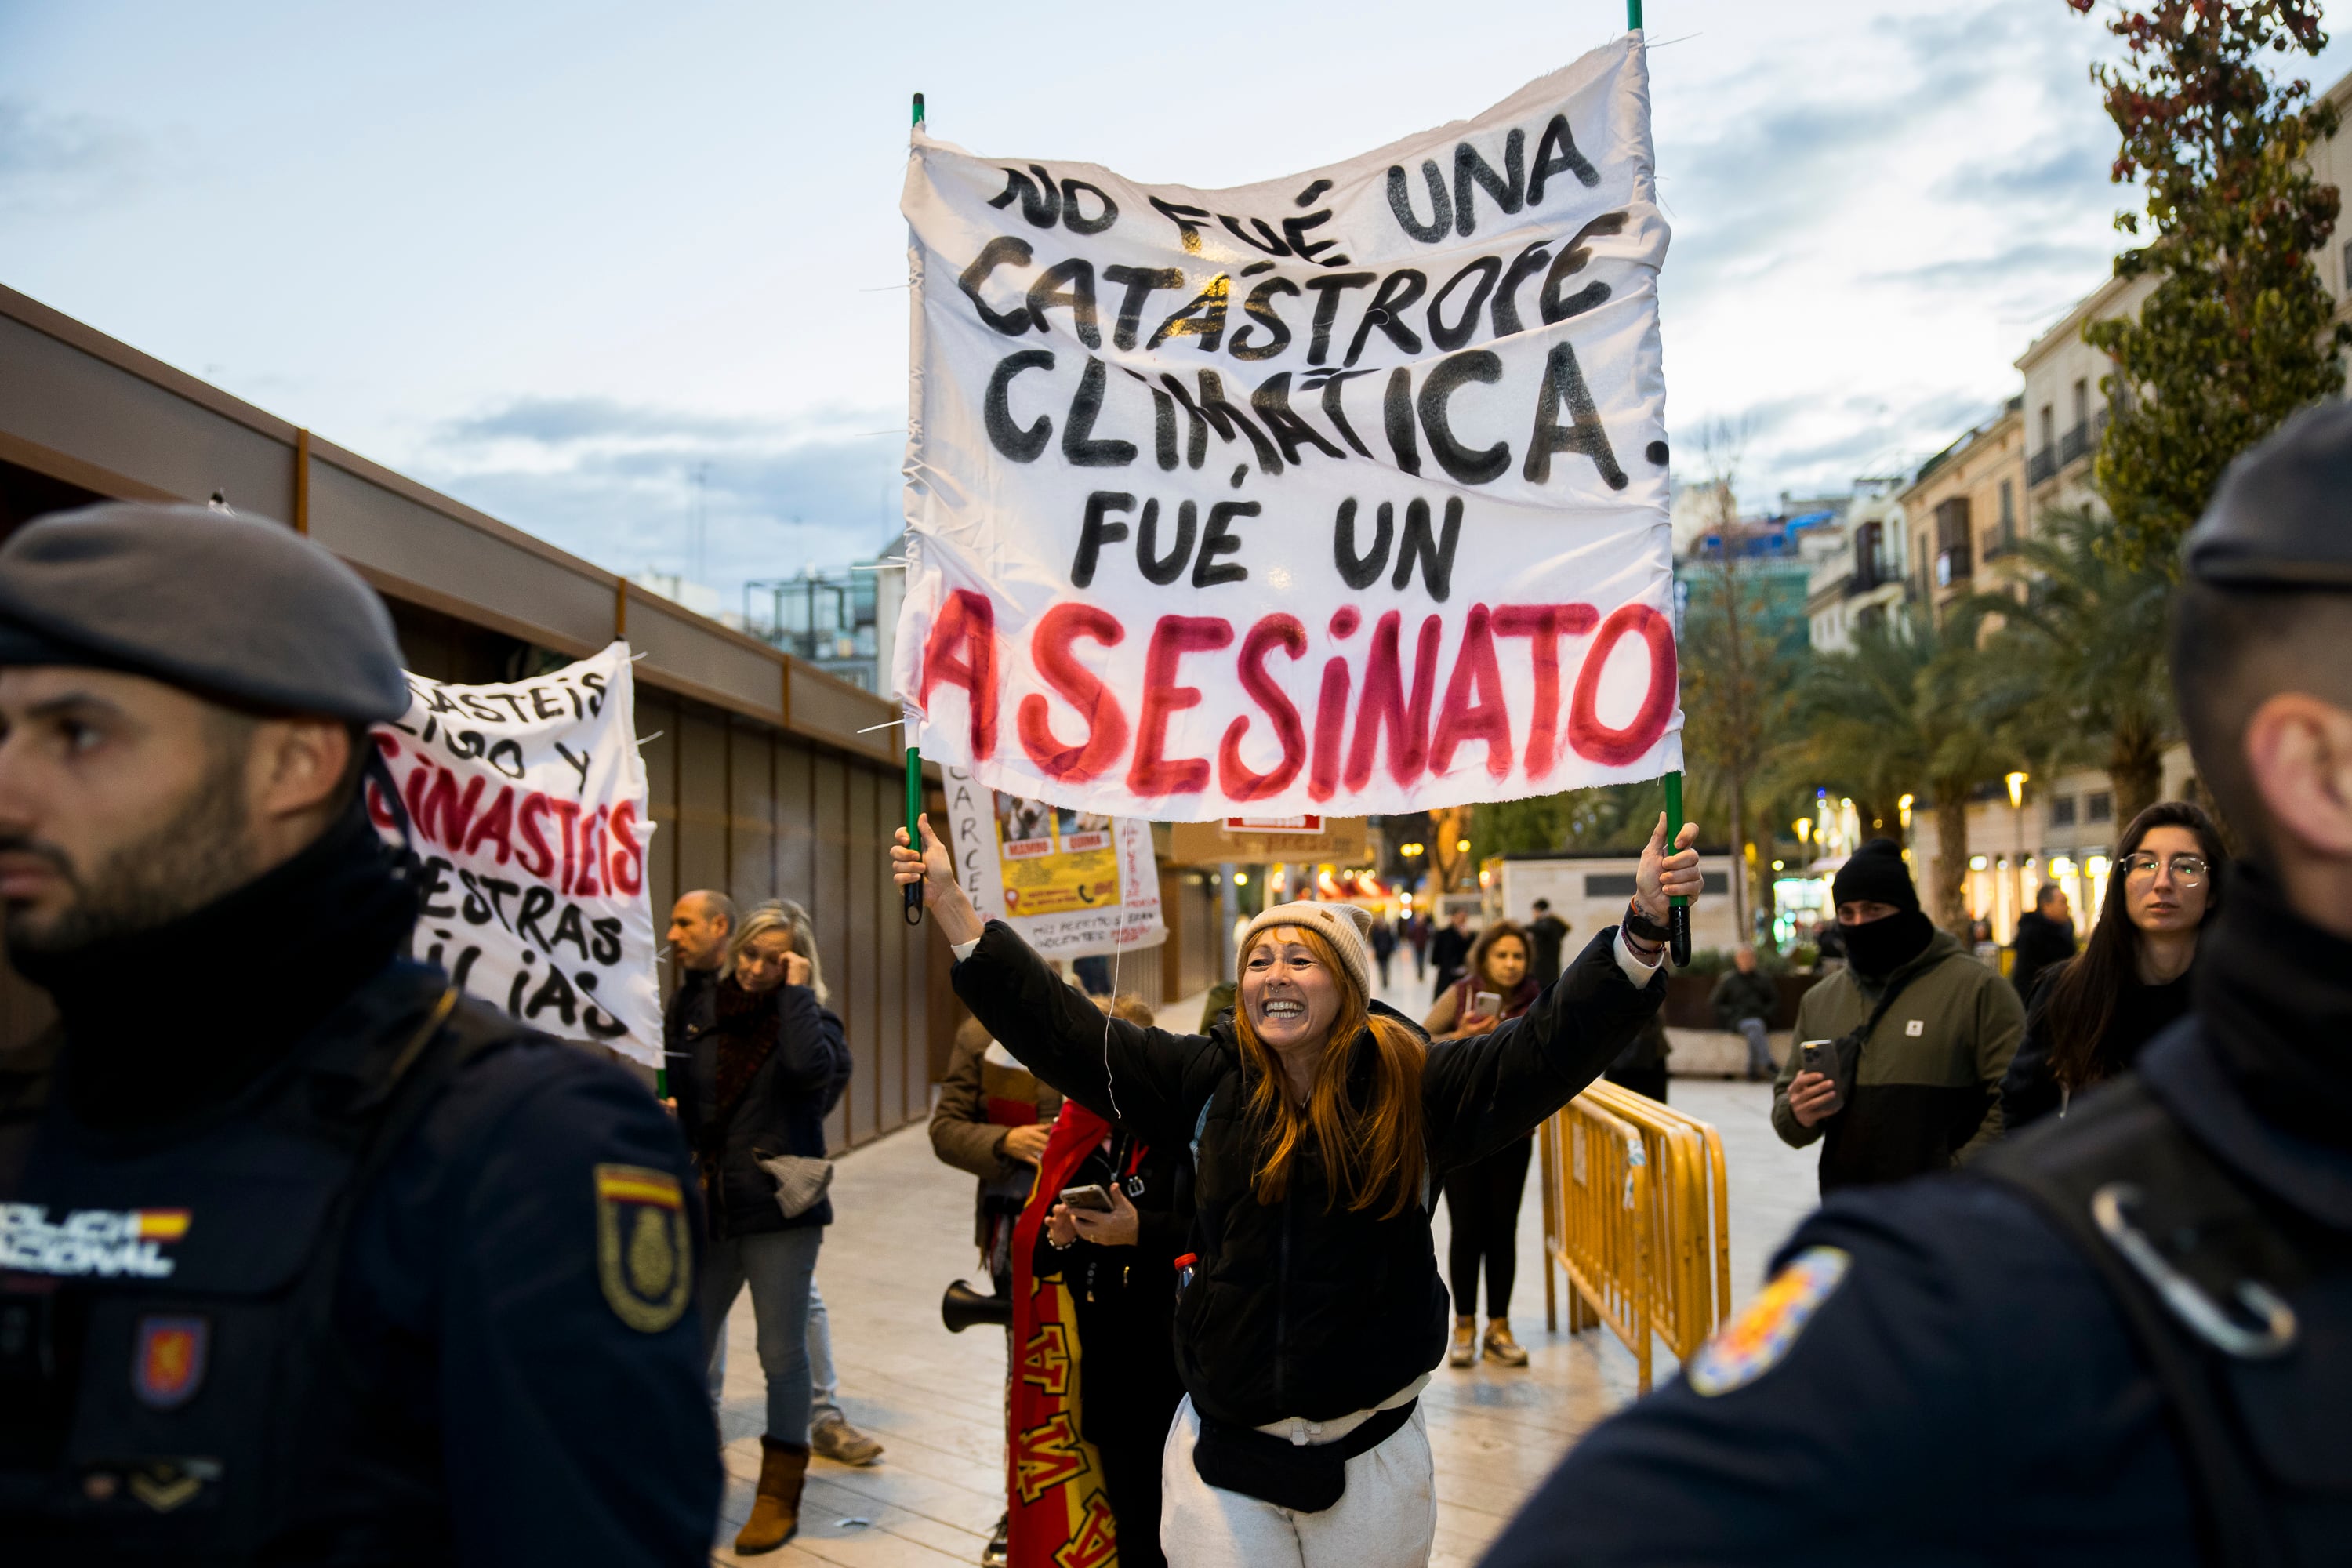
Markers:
(776, 1511)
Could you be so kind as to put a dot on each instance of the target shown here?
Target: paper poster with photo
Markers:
(1071, 882)
(1340, 493)
(527, 811)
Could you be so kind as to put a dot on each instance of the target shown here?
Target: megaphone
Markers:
(963, 1307)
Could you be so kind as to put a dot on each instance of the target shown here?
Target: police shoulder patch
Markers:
(643, 1258)
(1753, 1342)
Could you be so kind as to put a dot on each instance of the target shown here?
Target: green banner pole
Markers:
(1678, 939)
(915, 757)
(914, 830)
(1632, 16)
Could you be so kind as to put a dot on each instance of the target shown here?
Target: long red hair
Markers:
(1374, 1152)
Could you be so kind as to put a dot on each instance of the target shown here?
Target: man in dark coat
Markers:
(2121, 1338)
(306, 1256)
(1547, 933)
(1449, 950)
(2045, 936)
(1744, 1001)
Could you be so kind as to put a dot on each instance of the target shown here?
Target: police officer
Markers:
(304, 1256)
(2123, 1336)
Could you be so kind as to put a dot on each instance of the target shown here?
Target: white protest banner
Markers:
(1334, 494)
(527, 809)
(1071, 882)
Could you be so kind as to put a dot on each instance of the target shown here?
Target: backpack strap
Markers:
(2129, 1187)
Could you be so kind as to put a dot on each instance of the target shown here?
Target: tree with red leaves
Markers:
(2238, 333)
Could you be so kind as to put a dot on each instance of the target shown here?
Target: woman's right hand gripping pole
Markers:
(935, 869)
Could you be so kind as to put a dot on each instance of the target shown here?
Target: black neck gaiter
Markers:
(164, 1023)
(2275, 994)
(1876, 949)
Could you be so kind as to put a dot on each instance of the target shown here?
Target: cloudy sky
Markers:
(564, 261)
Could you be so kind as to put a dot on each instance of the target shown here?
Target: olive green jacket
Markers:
(1927, 1093)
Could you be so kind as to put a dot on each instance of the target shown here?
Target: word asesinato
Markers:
(1241, 496)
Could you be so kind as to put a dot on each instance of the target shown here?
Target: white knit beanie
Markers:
(1344, 926)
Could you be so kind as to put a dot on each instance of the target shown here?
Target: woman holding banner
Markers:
(1319, 1122)
(779, 1068)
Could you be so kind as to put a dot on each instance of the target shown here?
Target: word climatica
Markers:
(108, 1242)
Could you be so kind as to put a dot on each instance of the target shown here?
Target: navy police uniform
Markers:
(304, 1257)
(2123, 1336)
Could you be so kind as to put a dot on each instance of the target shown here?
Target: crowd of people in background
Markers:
(1909, 1056)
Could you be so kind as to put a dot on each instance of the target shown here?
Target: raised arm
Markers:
(1482, 1091)
(1156, 1081)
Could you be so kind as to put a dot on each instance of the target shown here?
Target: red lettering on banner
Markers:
(412, 790)
(1151, 773)
(1545, 625)
(627, 870)
(592, 856)
(534, 841)
(495, 825)
(1233, 776)
(1383, 704)
(445, 817)
(1596, 741)
(379, 810)
(1330, 729)
(567, 812)
(961, 651)
(1474, 708)
(1049, 648)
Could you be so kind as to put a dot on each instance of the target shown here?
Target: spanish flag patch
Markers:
(645, 1261)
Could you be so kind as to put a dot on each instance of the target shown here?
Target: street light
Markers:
(2016, 782)
(1461, 846)
(1903, 810)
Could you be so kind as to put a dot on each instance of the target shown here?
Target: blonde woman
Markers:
(1318, 1121)
(779, 1065)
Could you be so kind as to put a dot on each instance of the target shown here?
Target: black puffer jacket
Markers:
(777, 1071)
(1302, 1308)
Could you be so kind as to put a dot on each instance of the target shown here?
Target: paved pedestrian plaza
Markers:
(904, 1229)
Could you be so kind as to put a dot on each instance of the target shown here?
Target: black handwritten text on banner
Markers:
(1340, 493)
(527, 814)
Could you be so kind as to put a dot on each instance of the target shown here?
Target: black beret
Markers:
(2282, 515)
(238, 610)
(1875, 873)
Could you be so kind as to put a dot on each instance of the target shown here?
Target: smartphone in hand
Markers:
(1094, 1198)
(1486, 1003)
(1813, 1055)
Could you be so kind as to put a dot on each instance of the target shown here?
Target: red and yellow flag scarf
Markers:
(1060, 1515)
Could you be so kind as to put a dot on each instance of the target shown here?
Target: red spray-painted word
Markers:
(581, 854)
(1374, 711)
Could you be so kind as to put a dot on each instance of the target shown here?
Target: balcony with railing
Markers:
(2041, 466)
(2073, 443)
(1953, 564)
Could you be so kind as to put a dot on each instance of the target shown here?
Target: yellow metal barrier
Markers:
(1598, 1225)
(1657, 1258)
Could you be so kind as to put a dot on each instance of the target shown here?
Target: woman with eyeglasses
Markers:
(2089, 1016)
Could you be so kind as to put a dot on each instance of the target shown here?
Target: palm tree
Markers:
(2079, 663)
(1904, 712)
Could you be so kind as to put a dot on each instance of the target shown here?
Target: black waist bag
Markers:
(1306, 1477)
